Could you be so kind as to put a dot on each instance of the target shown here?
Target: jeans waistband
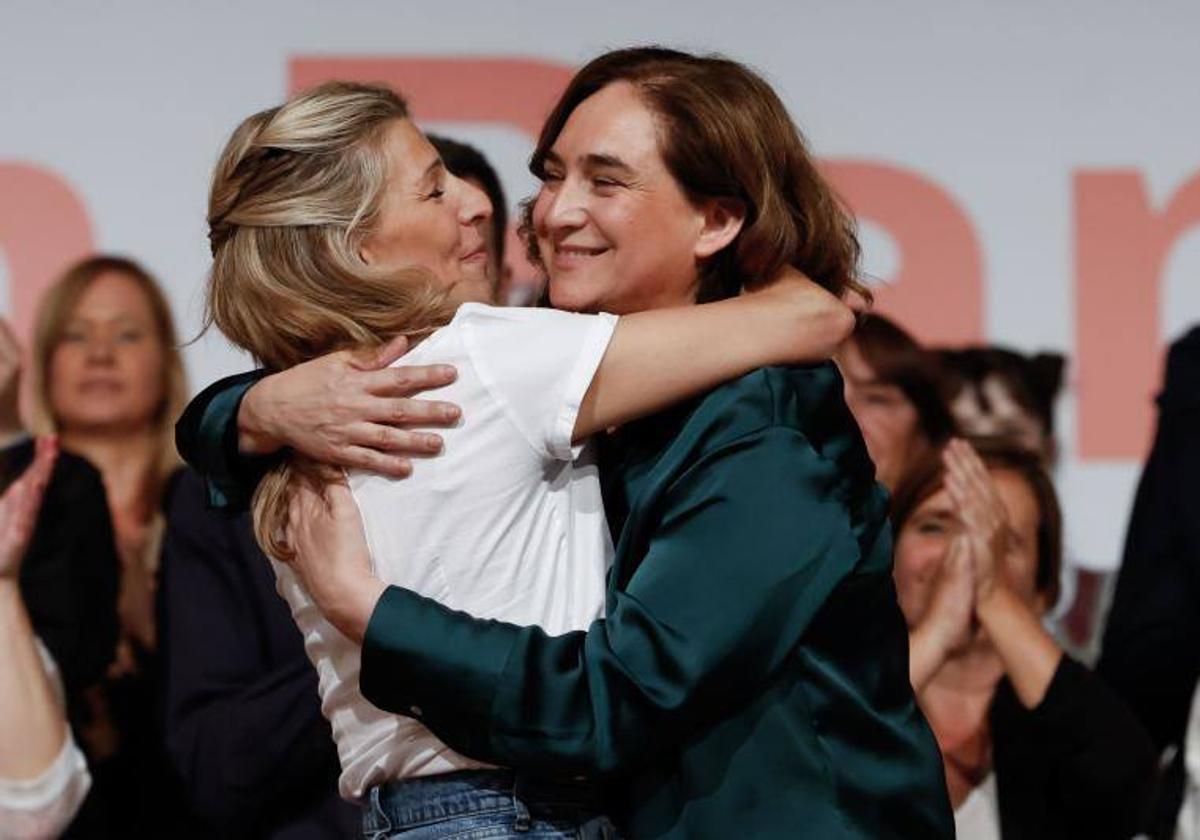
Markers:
(409, 803)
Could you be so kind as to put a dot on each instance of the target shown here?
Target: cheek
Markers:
(541, 206)
(917, 562)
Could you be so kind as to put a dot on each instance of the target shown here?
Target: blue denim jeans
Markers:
(485, 804)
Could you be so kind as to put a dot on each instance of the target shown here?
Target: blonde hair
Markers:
(295, 193)
(56, 308)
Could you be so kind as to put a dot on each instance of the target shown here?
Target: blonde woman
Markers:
(108, 380)
(334, 225)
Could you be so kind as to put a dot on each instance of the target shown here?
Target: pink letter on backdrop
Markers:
(43, 227)
(510, 91)
(937, 292)
(1121, 248)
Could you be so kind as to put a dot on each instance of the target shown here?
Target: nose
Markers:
(100, 350)
(565, 208)
(474, 207)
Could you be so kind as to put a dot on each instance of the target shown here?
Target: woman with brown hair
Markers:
(748, 677)
(893, 389)
(1034, 745)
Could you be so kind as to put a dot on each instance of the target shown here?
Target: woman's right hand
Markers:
(350, 409)
(821, 320)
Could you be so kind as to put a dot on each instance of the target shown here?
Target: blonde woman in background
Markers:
(107, 378)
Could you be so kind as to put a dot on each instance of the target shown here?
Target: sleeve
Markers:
(707, 616)
(69, 579)
(207, 438)
(1100, 757)
(244, 733)
(1149, 654)
(44, 806)
(537, 364)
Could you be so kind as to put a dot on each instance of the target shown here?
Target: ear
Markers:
(721, 221)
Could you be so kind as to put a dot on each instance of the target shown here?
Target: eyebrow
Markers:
(601, 161)
(593, 160)
(431, 170)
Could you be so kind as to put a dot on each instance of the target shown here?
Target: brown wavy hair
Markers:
(726, 135)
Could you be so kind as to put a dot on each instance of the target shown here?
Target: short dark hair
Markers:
(465, 161)
(924, 476)
(898, 359)
(726, 135)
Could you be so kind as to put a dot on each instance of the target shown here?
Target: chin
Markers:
(572, 297)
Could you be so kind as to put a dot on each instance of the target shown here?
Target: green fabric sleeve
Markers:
(751, 541)
(207, 438)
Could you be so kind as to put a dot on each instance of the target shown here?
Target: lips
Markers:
(477, 254)
(575, 256)
(100, 386)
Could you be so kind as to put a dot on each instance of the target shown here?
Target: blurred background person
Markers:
(1034, 745)
(43, 774)
(243, 713)
(996, 391)
(107, 378)
(1151, 648)
(468, 163)
(893, 389)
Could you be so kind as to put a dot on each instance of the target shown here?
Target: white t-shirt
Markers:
(978, 816)
(506, 523)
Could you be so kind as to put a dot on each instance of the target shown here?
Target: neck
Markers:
(126, 461)
(974, 671)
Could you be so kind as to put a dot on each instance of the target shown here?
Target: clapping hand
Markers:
(20, 504)
(985, 526)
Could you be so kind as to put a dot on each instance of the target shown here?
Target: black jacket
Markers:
(243, 717)
(69, 574)
(1151, 650)
(1078, 765)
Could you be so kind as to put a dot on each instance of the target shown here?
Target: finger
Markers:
(407, 380)
(402, 411)
(381, 357)
(369, 460)
(388, 439)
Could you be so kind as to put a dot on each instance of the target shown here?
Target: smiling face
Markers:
(106, 371)
(429, 218)
(925, 537)
(614, 229)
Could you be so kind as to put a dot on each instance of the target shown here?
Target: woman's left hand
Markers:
(332, 558)
(20, 504)
(984, 518)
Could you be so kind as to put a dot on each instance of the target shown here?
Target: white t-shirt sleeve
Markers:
(538, 364)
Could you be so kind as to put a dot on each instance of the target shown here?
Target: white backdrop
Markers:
(1005, 109)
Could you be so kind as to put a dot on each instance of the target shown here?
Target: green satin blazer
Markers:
(751, 676)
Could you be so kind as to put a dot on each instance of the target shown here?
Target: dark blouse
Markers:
(1078, 765)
